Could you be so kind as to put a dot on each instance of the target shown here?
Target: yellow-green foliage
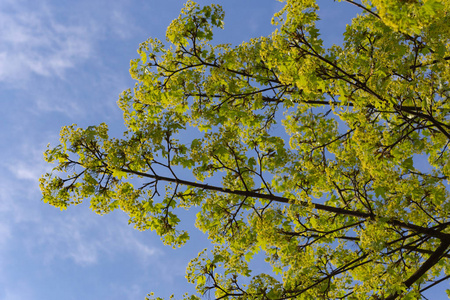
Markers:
(331, 163)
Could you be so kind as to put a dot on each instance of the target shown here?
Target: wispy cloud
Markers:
(28, 163)
(86, 239)
(58, 62)
(76, 234)
(33, 41)
(18, 291)
(56, 55)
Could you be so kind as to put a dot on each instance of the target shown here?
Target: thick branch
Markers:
(337, 210)
(428, 264)
(429, 64)
(363, 7)
(357, 239)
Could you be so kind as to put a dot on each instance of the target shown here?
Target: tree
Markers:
(333, 163)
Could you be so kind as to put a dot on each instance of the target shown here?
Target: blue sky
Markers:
(65, 62)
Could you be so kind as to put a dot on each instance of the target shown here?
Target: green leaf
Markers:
(282, 144)
(407, 164)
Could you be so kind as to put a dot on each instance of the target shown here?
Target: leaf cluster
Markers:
(330, 163)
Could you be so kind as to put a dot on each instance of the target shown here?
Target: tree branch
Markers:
(340, 211)
(364, 8)
(428, 264)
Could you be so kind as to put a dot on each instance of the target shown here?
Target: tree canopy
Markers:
(332, 163)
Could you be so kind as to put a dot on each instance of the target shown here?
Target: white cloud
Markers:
(28, 163)
(19, 291)
(121, 25)
(76, 234)
(24, 171)
(15, 205)
(60, 57)
(55, 58)
(5, 235)
(33, 42)
(85, 238)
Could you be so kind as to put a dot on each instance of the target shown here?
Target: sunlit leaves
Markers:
(330, 166)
